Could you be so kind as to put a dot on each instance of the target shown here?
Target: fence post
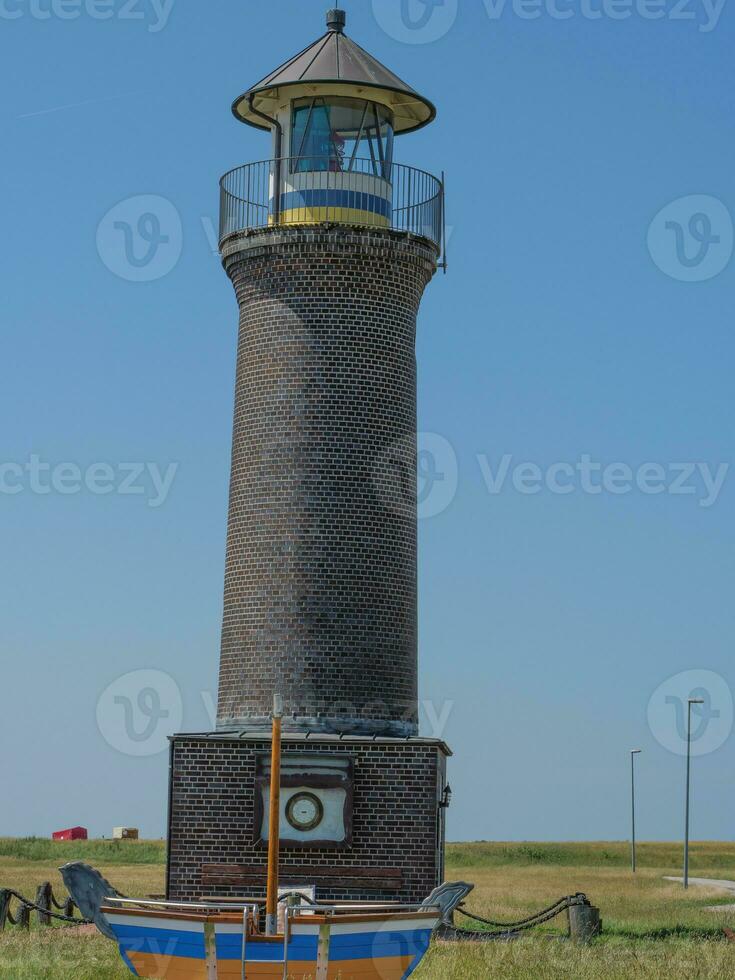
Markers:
(43, 901)
(4, 907)
(584, 923)
(69, 907)
(23, 918)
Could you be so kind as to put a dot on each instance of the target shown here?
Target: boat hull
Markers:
(182, 947)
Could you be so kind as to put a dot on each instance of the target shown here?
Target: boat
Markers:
(282, 937)
(212, 940)
(318, 943)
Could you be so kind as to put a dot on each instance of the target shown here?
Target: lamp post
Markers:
(690, 702)
(633, 754)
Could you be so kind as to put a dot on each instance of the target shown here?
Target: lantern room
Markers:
(333, 111)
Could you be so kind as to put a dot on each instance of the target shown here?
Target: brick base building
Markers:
(393, 843)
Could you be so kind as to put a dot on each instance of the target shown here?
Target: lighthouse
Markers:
(329, 244)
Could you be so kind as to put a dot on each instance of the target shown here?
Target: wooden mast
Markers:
(274, 821)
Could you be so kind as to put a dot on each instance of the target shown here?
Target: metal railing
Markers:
(316, 190)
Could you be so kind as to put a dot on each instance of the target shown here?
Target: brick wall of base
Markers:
(397, 848)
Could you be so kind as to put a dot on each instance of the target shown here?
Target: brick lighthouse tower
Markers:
(329, 246)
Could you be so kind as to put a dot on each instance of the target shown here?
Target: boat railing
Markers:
(185, 906)
(240, 905)
(361, 909)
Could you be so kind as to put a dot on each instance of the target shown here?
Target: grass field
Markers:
(653, 929)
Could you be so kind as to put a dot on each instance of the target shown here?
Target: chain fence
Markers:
(508, 930)
(43, 905)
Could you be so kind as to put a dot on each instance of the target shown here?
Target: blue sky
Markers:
(566, 329)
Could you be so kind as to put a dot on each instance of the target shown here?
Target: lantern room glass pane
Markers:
(341, 135)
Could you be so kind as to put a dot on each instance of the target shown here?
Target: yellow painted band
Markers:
(155, 967)
(318, 216)
(389, 968)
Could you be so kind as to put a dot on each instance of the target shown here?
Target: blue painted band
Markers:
(190, 945)
(355, 946)
(160, 942)
(315, 197)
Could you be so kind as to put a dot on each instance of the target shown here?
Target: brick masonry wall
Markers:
(396, 820)
(320, 584)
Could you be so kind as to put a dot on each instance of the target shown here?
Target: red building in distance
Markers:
(73, 833)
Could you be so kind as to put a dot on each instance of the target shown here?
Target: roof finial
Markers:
(336, 20)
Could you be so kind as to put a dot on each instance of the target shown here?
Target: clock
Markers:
(304, 812)
(316, 800)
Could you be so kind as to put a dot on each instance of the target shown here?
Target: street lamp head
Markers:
(636, 751)
(696, 700)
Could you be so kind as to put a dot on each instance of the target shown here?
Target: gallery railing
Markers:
(316, 190)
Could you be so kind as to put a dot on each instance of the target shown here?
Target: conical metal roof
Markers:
(336, 61)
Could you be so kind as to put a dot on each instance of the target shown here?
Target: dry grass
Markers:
(640, 907)
(538, 960)
(54, 954)
(135, 879)
(653, 929)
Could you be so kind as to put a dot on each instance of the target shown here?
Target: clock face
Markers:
(304, 812)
